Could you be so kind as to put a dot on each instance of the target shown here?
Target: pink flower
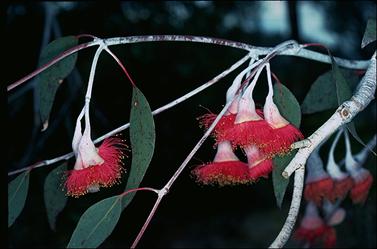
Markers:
(313, 230)
(259, 164)
(362, 178)
(249, 127)
(90, 174)
(226, 168)
(94, 168)
(283, 133)
(318, 184)
(342, 181)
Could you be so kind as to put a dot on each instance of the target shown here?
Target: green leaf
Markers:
(344, 93)
(54, 197)
(142, 137)
(370, 33)
(343, 90)
(49, 80)
(323, 92)
(96, 224)
(287, 104)
(279, 182)
(17, 193)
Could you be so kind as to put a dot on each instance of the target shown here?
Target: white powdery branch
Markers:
(344, 114)
(283, 236)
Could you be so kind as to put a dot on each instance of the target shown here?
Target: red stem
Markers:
(47, 65)
(122, 66)
(141, 233)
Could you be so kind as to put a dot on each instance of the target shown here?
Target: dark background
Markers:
(190, 215)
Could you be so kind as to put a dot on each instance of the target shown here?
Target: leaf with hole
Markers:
(142, 137)
(287, 104)
(370, 33)
(54, 197)
(322, 94)
(17, 193)
(96, 224)
(279, 182)
(49, 80)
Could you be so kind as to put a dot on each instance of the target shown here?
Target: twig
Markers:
(285, 232)
(155, 112)
(344, 114)
(305, 53)
(166, 188)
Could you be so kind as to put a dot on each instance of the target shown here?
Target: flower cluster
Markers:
(334, 184)
(261, 134)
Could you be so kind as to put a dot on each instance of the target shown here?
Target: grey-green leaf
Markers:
(287, 103)
(279, 182)
(17, 193)
(142, 137)
(49, 80)
(54, 197)
(96, 224)
(322, 94)
(370, 33)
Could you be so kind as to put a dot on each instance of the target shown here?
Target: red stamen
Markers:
(262, 169)
(222, 173)
(318, 190)
(341, 188)
(105, 175)
(360, 191)
(280, 142)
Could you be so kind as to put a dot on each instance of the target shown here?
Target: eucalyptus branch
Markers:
(155, 112)
(344, 114)
(166, 188)
(285, 232)
(304, 53)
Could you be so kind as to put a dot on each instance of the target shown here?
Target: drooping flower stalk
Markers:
(226, 168)
(318, 184)
(362, 178)
(342, 181)
(283, 133)
(227, 121)
(249, 128)
(94, 168)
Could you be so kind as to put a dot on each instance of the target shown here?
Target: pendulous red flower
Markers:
(249, 127)
(226, 168)
(313, 230)
(283, 132)
(93, 170)
(362, 178)
(318, 184)
(363, 181)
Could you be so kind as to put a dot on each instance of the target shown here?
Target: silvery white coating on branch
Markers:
(286, 230)
(344, 114)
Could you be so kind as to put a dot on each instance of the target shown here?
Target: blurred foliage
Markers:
(190, 215)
